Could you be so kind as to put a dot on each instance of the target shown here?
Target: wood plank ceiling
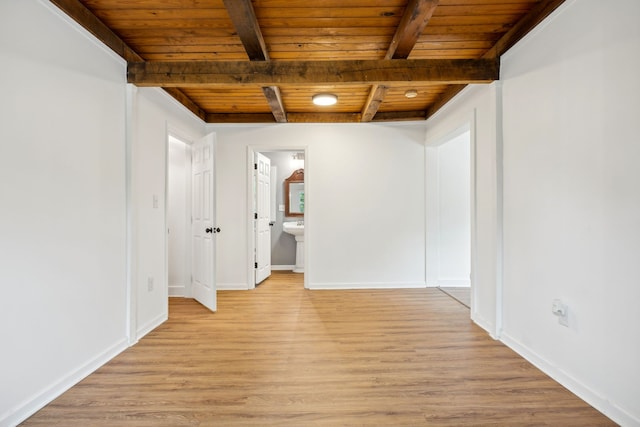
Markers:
(243, 61)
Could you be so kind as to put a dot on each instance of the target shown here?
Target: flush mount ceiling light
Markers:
(411, 93)
(324, 99)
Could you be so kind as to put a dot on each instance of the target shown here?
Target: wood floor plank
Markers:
(281, 355)
(461, 294)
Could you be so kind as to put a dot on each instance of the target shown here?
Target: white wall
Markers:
(364, 203)
(62, 206)
(82, 156)
(555, 153)
(449, 211)
(477, 107)
(572, 201)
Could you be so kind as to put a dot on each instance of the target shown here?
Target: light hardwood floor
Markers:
(462, 295)
(284, 356)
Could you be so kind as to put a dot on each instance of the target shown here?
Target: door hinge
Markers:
(255, 215)
(255, 166)
(256, 265)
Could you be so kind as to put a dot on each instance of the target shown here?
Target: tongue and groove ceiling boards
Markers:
(260, 61)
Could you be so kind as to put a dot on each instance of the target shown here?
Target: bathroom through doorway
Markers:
(276, 229)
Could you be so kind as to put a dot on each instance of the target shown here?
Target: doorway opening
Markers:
(190, 213)
(449, 203)
(276, 231)
(178, 217)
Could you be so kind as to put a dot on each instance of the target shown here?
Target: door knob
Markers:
(216, 230)
(209, 230)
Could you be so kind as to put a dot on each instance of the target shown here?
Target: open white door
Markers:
(202, 226)
(262, 217)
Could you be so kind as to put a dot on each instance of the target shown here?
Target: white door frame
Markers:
(468, 123)
(251, 239)
(131, 108)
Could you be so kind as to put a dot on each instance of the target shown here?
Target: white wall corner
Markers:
(177, 290)
(152, 324)
(131, 120)
(499, 209)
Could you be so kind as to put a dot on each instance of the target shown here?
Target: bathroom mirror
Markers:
(294, 194)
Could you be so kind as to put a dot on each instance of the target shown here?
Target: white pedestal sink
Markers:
(296, 228)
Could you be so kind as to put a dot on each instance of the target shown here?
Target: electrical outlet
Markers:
(560, 309)
(150, 284)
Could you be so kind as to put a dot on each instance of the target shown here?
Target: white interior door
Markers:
(203, 227)
(262, 217)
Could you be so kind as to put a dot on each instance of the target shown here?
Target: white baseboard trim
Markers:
(231, 286)
(151, 325)
(177, 290)
(40, 400)
(369, 285)
(454, 283)
(282, 267)
(489, 327)
(584, 392)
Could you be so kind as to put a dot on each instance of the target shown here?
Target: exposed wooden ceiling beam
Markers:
(245, 22)
(376, 96)
(240, 118)
(414, 20)
(539, 12)
(83, 16)
(323, 117)
(212, 73)
(90, 22)
(272, 93)
(447, 96)
(292, 118)
(183, 99)
(398, 116)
